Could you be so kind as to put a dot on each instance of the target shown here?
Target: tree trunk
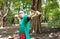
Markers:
(39, 29)
(38, 26)
(39, 4)
(33, 4)
(33, 19)
(5, 11)
(36, 21)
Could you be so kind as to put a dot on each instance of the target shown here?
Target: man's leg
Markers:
(27, 35)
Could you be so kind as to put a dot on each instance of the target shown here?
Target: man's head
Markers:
(21, 14)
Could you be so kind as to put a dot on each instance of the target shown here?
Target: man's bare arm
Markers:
(36, 14)
(16, 16)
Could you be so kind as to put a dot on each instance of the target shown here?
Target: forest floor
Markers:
(47, 33)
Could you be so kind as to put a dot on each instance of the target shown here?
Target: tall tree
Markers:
(36, 21)
(4, 11)
(39, 4)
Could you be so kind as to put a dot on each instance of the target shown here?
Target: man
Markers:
(24, 25)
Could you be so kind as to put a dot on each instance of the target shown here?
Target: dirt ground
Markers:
(13, 31)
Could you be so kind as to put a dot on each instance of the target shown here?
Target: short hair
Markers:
(21, 11)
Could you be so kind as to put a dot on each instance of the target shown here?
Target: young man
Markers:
(24, 24)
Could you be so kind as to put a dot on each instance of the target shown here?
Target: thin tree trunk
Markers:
(39, 4)
(5, 11)
(33, 19)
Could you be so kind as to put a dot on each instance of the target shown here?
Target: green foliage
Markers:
(9, 17)
(13, 7)
(52, 12)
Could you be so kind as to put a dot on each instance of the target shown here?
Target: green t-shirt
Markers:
(24, 24)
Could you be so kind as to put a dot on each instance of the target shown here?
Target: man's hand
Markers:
(31, 14)
(38, 13)
(17, 17)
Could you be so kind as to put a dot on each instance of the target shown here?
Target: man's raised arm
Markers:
(35, 14)
(16, 16)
